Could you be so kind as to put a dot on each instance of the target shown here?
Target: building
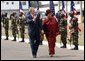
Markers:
(10, 6)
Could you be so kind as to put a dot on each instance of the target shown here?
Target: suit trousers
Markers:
(34, 43)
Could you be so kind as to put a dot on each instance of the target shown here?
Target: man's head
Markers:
(3, 14)
(31, 10)
(14, 13)
(6, 14)
(11, 14)
(60, 11)
(62, 15)
(48, 13)
(71, 14)
(20, 14)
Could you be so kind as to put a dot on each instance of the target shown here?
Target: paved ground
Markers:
(21, 51)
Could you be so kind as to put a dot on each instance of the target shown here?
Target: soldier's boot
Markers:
(14, 39)
(6, 38)
(64, 46)
(22, 40)
(75, 48)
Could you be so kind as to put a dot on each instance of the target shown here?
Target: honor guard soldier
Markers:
(63, 30)
(1, 22)
(74, 30)
(21, 25)
(14, 25)
(6, 25)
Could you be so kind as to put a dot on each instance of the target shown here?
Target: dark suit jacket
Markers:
(34, 27)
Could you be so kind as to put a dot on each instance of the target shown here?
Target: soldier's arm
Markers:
(3, 22)
(76, 23)
(24, 19)
(7, 20)
(65, 23)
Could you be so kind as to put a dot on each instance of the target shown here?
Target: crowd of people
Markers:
(51, 27)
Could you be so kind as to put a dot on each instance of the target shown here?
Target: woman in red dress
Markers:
(51, 30)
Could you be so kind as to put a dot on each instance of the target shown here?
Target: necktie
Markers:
(34, 18)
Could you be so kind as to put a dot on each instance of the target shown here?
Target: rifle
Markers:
(69, 40)
(60, 36)
(60, 40)
(18, 28)
(18, 31)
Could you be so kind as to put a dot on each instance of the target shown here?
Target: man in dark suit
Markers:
(34, 27)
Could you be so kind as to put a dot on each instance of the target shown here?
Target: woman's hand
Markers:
(57, 33)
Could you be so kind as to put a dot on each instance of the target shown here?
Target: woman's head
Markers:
(48, 13)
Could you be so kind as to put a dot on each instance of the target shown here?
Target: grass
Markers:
(81, 38)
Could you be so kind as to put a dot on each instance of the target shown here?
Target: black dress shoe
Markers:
(40, 44)
(51, 55)
(63, 46)
(75, 48)
(6, 39)
(14, 40)
(21, 41)
(34, 56)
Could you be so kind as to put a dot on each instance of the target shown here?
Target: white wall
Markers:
(11, 6)
(15, 6)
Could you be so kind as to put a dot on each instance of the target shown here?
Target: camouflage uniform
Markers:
(74, 30)
(14, 25)
(1, 23)
(63, 30)
(22, 27)
(6, 25)
(1, 29)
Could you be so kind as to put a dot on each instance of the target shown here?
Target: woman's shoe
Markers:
(51, 55)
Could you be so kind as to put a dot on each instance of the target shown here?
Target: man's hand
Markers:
(42, 32)
(41, 16)
(57, 33)
(34, 17)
